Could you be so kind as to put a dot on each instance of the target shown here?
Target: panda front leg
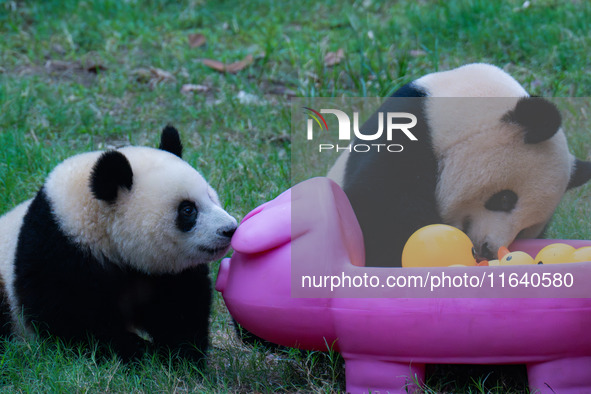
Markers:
(177, 319)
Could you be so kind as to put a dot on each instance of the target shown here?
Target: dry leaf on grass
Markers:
(188, 88)
(216, 65)
(196, 40)
(333, 58)
(240, 65)
(152, 76)
(232, 67)
(161, 75)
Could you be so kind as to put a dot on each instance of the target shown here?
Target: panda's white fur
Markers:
(472, 80)
(104, 249)
(10, 223)
(478, 153)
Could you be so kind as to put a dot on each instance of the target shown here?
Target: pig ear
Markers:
(580, 173)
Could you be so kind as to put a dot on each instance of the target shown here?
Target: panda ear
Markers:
(170, 141)
(580, 174)
(539, 118)
(111, 172)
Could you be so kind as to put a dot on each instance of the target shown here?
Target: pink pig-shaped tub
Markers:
(386, 342)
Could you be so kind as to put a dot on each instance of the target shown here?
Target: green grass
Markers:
(52, 107)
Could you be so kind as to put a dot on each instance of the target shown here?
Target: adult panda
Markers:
(114, 245)
(495, 167)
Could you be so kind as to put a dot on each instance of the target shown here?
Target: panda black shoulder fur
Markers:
(495, 168)
(114, 245)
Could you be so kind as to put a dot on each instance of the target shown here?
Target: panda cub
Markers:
(489, 160)
(114, 246)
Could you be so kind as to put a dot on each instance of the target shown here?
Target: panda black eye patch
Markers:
(503, 201)
(186, 216)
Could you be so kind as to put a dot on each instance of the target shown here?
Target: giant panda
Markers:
(494, 168)
(114, 247)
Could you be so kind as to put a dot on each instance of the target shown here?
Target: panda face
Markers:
(142, 207)
(503, 159)
(490, 186)
(180, 212)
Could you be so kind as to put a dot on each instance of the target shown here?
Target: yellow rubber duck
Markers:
(515, 258)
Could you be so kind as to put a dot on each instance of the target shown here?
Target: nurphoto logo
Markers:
(344, 130)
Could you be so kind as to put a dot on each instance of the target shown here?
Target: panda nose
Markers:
(486, 252)
(227, 232)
